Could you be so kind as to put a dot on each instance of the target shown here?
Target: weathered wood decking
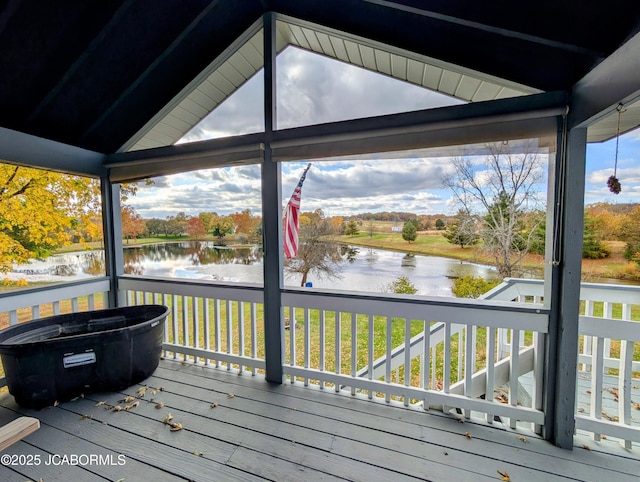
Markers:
(259, 431)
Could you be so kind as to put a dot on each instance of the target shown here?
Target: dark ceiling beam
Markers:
(97, 40)
(149, 70)
(486, 28)
(615, 80)
(31, 151)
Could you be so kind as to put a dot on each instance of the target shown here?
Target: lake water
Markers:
(370, 270)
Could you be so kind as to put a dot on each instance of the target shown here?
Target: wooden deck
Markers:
(259, 431)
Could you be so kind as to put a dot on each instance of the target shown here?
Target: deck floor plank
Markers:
(288, 432)
(58, 442)
(410, 447)
(497, 445)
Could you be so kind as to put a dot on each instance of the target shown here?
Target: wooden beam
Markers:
(615, 80)
(31, 151)
(16, 430)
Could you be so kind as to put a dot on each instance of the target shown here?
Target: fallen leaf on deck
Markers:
(460, 420)
(120, 480)
(167, 419)
(580, 409)
(128, 399)
(603, 437)
(175, 426)
(198, 454)
(502, 398)
(586, 447)
(636, 406)
(184, 362)
(117, 408)
(85, 417)
(159, 405)
(154, 391)
(141, 391)
(133, 405)
(467, 434)
(99, 404)
(214, 404)
(589, 392)
(504, 476)
(230, 395)
(522, 438)
(56, 403)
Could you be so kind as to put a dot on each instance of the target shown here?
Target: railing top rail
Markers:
(615, 293)
(187, 287)
(527, 316)
(13, 300)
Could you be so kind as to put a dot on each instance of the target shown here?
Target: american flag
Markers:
(292, 221)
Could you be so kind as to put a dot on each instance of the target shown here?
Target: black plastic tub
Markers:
(61, 357)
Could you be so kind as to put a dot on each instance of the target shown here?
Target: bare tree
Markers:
(501, 187)
(316, 253)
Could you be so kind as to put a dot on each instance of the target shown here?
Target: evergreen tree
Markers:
(409, 231)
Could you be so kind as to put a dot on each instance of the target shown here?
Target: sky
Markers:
(314, 89)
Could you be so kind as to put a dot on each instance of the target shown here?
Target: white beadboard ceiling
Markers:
(245, 58)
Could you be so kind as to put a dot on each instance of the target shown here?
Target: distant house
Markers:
(396, 229)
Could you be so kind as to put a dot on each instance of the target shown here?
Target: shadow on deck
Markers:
(260, 431)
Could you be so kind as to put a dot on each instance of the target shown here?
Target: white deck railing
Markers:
(609, 326)
(334, 339)
(31, 303)
(208, 323)
(358, 343)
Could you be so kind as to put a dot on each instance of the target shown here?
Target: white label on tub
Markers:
(155, 323)
(79, 359)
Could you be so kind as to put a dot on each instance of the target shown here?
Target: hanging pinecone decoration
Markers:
(614, 185)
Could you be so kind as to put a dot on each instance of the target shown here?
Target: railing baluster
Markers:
(75, 307)
(241, 347)
(426, 361)
(322, 342)
(461, 334)
(539, 340)
(624, 387)
(468, 365)
(174, 320)
(165, 301)
(434, 357)
(307, 343)
(407, 357)
(185, 326)
(370, 353)
(354, 348)
(217, 322)
(597, 375)
(254, 336)
(229, 319)
(207, 328)
(338, 346)
(292, 339)
(56, 307)
(446, 359)
(35, 312)
(195, 313)
(387, 368)
(514, 369)
(490, 373)
(91, 302)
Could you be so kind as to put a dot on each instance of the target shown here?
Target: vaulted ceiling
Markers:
(99, 74)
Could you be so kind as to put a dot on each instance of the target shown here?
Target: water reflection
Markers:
(364, 269)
